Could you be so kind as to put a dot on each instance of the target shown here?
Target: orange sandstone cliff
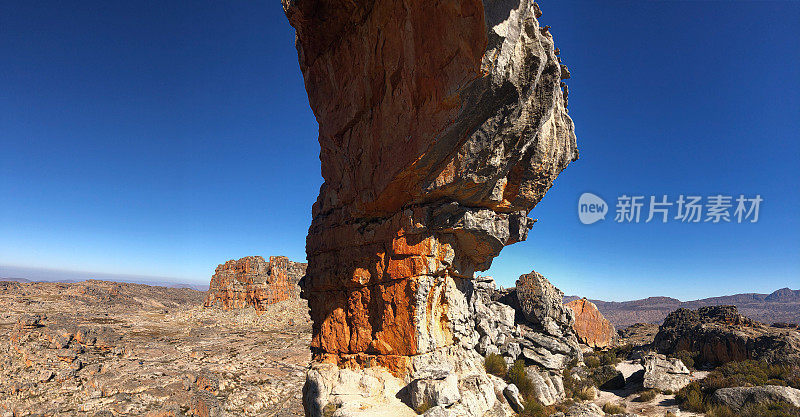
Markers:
(441, 125)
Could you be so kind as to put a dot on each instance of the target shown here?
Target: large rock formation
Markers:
(251, 281)
(720, 334)
(441, 125)
(592, 328)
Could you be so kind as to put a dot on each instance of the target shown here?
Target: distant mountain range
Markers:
(781, 306)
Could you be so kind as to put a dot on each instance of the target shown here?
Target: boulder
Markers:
(738, 397)
(590, 326)
(514, 398)
(664, 373)
(719, 334)
(541, 302)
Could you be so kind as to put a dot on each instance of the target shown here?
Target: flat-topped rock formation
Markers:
(253, 282)
(441, 125)
(720, 334)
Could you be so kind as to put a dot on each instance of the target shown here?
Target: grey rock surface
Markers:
(738, 397)
(664, 373)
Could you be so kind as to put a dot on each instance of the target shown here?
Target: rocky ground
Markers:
(99, 348)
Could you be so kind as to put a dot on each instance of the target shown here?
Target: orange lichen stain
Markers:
(413, 245)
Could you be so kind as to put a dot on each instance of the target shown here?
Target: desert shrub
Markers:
(609, 358)
(534, 408)
(611, 408)
(775, 409)
(518, 376)
(622, 352)
(670, 414)
(692, 398)
(686, 357)
(591, 361)
(667, 392)
(586, 393)
(646, 396)
(606, 377)
(422, 408)
(329, 409)
(495, 365)
(695, 396)
(575, 387)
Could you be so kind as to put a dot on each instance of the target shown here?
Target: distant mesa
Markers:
(253, 282)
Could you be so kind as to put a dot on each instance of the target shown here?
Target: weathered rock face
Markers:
(591, 327)
(720, 334)
(664, 373)
(441, 126)
(251, 281)
(738, 397)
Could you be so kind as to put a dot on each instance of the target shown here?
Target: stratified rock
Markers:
(441, 125)
(591, 327)
(720, 334)
(251, 281)
(664, 373)
(739, 397)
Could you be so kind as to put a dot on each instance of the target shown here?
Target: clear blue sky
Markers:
(163, 138)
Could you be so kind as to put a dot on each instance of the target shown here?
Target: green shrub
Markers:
(422, 408)
(776, 409)
(495, 365)
(695, 396)
(591, 361)
(611, 408)
(518, 376)
(646, 396)
(609, 358)
(534, 408)
(329, 409)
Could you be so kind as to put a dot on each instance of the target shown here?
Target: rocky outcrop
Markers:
(591, 327)
(441, 125)
(720, 334)
(738, 397)
(253, 282)
(664, 373)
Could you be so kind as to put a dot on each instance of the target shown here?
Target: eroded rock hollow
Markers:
(441, 125)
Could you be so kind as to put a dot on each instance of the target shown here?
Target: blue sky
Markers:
(162, 138)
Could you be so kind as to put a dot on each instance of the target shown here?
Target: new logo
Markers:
(591, 208)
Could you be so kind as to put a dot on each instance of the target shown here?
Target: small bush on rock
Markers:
(518, 376)
(495, 365)
(591, 361)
